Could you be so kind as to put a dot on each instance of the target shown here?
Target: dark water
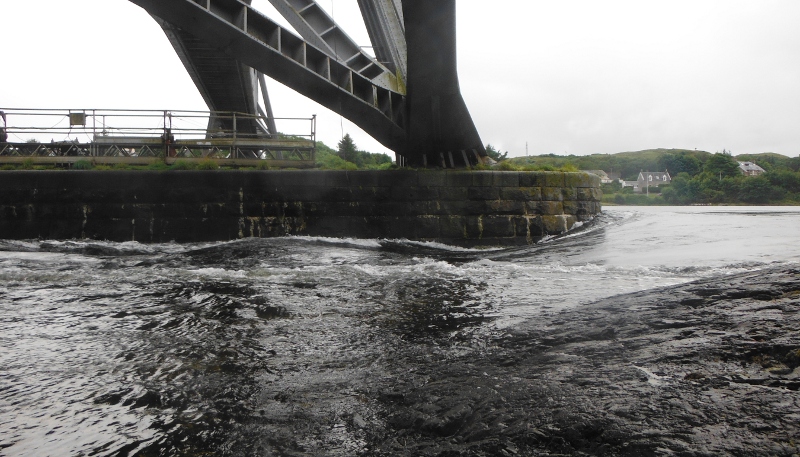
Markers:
(274, 347)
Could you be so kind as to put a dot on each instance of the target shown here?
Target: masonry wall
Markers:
(457, 207)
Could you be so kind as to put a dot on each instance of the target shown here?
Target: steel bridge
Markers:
(407, 97)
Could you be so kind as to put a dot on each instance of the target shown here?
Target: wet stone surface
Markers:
(703, 369)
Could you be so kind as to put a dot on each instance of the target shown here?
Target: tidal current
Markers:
(275, 346)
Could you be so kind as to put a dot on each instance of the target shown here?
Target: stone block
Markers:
(483, 193)
(554, 179)
(589, 194)
(571, 207)
(482, 178)
(504, 207)
(532, 178)
(554, 225)
(536, 227)
(426, 227)
(432, 178)
(581, 179)
(400, 178)
(403, 227)
(453, 227)
(552, 194)
(521, 193)
(451, 193)
(468, 208)
(570, 220)
(294, 209)
(459, 178)
(411, 194)
(520, 226)
(346, 209)
(365, 178)
(474, 225)
(66, 212)
(337, 194)
(365, 193)
(506, 178)
(334, 178)
(569, 193)
(544, 208)
(498, 226)
(295, 193)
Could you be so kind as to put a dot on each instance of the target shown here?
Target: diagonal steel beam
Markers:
(223, 82)
(319, 29)
(384, 21)
(252, 38)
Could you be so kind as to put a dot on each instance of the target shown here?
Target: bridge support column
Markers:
(439, 123)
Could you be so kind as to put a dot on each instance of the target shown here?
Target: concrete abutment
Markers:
(467, 208)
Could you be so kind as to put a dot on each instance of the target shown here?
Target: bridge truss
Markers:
(407, 97)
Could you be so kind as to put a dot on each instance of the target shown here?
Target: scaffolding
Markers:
(140, 137)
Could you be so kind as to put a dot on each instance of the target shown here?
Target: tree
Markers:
(495, 154)
(723, 165)
(758, 190)
(347, 148)
(683, 162)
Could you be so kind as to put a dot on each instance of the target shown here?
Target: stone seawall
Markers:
(456, 207)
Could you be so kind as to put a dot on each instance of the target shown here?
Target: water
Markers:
(275, 347)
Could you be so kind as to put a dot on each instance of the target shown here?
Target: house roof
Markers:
(599, 173)
(750, 166)
(656, 175)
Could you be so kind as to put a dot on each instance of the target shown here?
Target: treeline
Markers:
(720, 182)
(348, 157)
(698, 176)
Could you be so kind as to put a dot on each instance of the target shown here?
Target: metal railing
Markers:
(139, 136)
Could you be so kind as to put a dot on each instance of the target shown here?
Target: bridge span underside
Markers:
(407, 97)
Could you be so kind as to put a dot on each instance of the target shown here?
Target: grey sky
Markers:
(572, 76)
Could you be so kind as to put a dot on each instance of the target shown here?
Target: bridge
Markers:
(407, 97)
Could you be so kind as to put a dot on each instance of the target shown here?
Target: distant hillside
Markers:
(629, 164)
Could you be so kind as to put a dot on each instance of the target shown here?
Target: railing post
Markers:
(93, 150)
(314, 137)
(235, 152)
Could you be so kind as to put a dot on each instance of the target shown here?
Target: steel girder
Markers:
(384, 21)
(420, 115)
(224, 83)
(320, 30)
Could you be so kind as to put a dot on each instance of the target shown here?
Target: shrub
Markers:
(158, 165)
(506, 166)
(206, 164)
(182, 165)
(83, 164)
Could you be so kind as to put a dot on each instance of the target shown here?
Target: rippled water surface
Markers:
(270, 347)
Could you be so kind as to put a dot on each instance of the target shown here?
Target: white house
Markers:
(750, 169)
(648, 179)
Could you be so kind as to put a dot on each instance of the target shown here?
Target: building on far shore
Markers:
(605, 177)
(751, 169)
(648, 179)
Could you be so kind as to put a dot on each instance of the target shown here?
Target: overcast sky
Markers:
(570, 76)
